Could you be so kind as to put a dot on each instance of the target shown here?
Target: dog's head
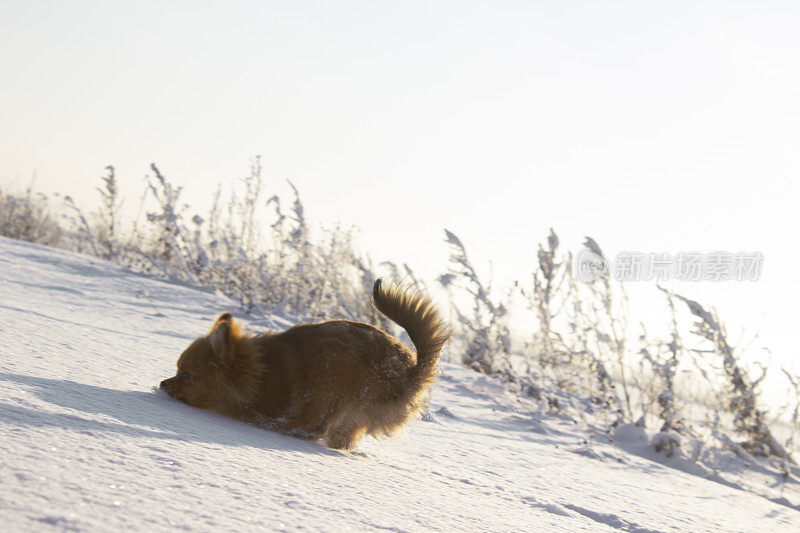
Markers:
(200, 379)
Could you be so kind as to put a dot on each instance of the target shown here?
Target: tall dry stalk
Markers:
(748, 420)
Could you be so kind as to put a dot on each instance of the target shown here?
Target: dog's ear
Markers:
(224, 317)
(221, 337)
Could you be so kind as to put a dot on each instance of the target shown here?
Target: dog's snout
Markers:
(166, 383)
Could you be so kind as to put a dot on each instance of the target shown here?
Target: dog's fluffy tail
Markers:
(416, 314)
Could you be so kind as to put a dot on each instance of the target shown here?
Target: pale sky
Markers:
(651, 126)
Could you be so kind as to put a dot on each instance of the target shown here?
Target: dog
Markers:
(335, 381)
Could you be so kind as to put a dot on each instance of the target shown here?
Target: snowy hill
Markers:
(87, 443)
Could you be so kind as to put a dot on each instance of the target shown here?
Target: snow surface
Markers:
(87, 443)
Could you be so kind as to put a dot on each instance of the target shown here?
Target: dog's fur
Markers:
(335, 381)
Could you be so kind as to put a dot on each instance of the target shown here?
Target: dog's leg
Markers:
(345, 433)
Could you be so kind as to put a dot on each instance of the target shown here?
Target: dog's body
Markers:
(336, 381)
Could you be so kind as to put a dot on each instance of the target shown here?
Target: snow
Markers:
(87, 443)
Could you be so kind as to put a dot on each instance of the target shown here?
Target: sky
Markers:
(651, 126)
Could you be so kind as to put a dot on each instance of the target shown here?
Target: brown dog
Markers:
(336, 381)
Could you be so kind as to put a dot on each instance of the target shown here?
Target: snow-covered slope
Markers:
(86, 443)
